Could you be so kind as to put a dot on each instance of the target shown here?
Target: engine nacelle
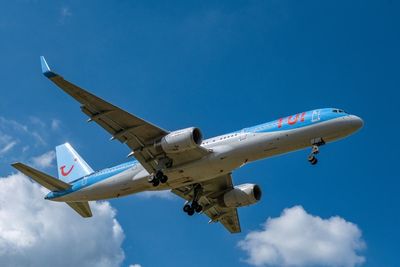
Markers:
(181, 140)
(241, 195)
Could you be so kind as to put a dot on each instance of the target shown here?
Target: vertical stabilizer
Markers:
(70, 165)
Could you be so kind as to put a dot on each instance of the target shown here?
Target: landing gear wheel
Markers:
(198, 209)
(190, 212)
(164, 179)
(312, 159)
(159, 175)
(192, 206)
(158, 178)
(151, 179)
(186, 208)
(315, 150)
(155, 182)
(195, 204)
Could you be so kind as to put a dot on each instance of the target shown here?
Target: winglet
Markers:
(45, 68)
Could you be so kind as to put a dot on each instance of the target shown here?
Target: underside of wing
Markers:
(211, 191)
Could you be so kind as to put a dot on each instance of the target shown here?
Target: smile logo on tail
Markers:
(66, 173)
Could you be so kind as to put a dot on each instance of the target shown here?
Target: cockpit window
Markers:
(339, 111)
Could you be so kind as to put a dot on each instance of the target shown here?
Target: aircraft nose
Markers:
(356, 122)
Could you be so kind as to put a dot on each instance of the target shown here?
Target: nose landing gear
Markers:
(312, 158)
(315, 150)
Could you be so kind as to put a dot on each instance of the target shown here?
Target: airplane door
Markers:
(243, 136)
(316, 115)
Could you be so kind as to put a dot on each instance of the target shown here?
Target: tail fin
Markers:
(70, 165)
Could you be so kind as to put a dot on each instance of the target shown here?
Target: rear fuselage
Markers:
(229, 152)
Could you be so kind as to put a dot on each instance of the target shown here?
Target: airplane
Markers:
(195, 169)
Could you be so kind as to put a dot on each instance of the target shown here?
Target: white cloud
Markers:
(45, 160)
(65, 12)
(13, 131)
(20, 137)
(297, 238)
(37, 121)
(135, 265)
(7, 147)
(165, 194)
(7, 143)
(13, 125)
(55, 124)
(37, 232)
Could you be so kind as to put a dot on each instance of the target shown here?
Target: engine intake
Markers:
(241, 195)
(181, 140)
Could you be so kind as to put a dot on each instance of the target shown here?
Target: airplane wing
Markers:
(211, 191)
(137, 133)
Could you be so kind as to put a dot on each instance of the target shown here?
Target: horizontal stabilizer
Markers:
(41, 178)
(82, 208)
(53, 184)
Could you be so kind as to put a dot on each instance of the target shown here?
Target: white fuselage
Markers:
(229, 152)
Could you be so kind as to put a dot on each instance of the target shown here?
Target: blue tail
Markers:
(70, 165)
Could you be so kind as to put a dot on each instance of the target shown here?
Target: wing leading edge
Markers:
(138, 134)
(123, 126)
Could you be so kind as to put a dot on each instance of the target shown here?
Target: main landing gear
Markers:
(191, 207)
(315, 150)
(157, 178)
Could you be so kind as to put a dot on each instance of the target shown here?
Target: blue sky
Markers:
(220, 66)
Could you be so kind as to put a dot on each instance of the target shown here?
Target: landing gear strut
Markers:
(317, 142)
(191, 207)
(157, 178)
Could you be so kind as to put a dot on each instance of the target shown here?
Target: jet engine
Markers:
(181, 140)
(241, 195)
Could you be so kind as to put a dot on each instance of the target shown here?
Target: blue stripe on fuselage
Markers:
(91, 179)
(297, 121)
